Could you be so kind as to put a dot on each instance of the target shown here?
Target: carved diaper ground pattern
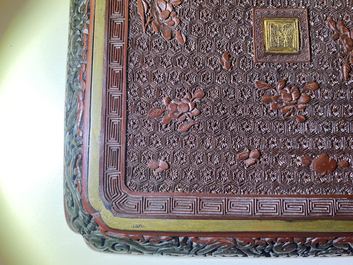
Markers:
(234, 116)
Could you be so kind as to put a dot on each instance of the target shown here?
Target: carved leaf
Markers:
(153, 165)
(255, 154)
(335, 36)
(286, 97)
(295, 93)
(346, 70)
(266, 99)
(180, 37)
(195, 112)
(302, 107)
(172, 107)
(186, 126)
(141, 11)
(287, 109)
(155, 26)
(226, 61)
(227, 65)
(199, 94)
(243, 155)
(262, 85)
(176, 21)
(175, 115)
(226, 56)
(167, 101)
(304, 99)
(176, 3)
(167, 33)
(281, 84)
(306, 160)
(165, 14)
(192, 106)
(312, 86)
(182, 118)
(275, 98)
(300, 118)
(171, 23)
(163, 165)
(185, 100)
(343, 164)
(166, 120)
(348, 42)
(250, 162)
(183, 107)
(344, 30)
(332, 24)
(274, 106)
(156, 113)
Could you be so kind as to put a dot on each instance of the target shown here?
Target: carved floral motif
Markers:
(158, 166)
(163, 18)
(226, 61)
(290, 100)
(324, 164)
(249, 157)
(182, 111)
(344, 37)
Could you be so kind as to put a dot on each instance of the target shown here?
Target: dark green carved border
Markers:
(83, 223)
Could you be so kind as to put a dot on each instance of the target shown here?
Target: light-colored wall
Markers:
(33, 46)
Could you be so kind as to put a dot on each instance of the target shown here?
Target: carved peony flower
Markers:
(249, 158)
(324, 165)
(158, 166)
(182, 111)
(290, 100)
(163, 18)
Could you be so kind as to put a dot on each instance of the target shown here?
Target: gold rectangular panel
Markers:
(281, 35)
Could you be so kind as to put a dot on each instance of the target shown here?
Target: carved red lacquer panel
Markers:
(169, 152)
(271, 119)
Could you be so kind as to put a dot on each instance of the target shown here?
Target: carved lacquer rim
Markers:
(95, 233)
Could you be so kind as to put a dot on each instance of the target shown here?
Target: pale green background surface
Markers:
(33, 46)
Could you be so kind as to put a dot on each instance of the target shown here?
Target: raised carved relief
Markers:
(161, 15)
(226, 61)
(249, 157)
(323, 164)
(158, 166)
(344, 37)
(290, 100)
(182, 111)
